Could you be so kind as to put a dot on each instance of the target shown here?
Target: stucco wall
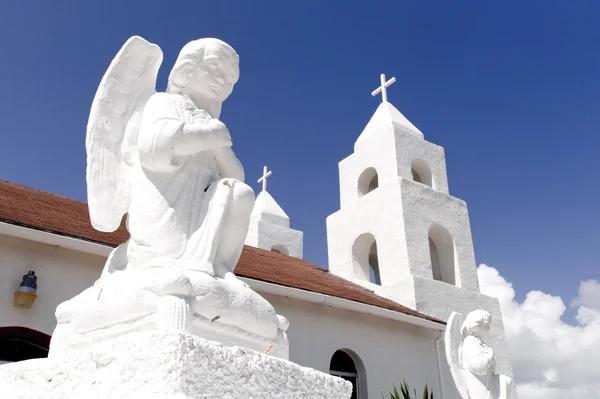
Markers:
(62, 273)
(390, 351)
(267, 236)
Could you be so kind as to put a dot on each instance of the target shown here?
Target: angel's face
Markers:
(214, 76)
(482, 326)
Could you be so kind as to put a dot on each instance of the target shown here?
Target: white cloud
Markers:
(589, 295)
(552, 359)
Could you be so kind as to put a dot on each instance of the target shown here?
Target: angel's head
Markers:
(477, 323)
(206, 69)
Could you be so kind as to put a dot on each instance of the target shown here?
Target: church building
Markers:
(400, 251)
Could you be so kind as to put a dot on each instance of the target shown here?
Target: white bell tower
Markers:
(399, 232)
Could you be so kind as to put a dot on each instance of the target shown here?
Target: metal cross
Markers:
(383, 88)
(263, 179)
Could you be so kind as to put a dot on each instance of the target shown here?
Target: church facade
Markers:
(401, 259)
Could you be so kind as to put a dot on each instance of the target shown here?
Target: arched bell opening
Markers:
(441, 252)
(421, 172)
(367, 182)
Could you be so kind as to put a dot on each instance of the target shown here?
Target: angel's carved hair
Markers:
(191, 55)
(472, 320)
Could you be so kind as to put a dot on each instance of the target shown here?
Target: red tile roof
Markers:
(40, 210)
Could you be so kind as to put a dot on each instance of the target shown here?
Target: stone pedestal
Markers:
(161, 365)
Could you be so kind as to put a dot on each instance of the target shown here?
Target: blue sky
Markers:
(511, 90)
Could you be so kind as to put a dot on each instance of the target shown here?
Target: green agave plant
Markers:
(405, 392)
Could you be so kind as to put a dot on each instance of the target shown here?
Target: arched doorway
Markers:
(346, 364)
(22, 343)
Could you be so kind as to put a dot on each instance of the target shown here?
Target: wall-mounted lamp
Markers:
(26, 294)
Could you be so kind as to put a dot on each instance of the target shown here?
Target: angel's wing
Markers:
(453, 339)
(113, 127)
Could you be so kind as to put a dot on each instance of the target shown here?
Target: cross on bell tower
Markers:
(383, 88)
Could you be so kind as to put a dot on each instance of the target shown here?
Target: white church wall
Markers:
(414, 153)
(390, 351)
(62, 273)
(373, 214)
(379, 155)
(393, 153)
(439, 299)
(401, 215)
(424, 208)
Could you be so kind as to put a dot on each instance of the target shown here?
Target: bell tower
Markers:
(396, 218)
(399, 232)
(269, 226)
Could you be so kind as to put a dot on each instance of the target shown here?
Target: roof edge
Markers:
(51, 237)
(342, 303)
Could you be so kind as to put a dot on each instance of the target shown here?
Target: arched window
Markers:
(367, 182)
(347, 365)
(365, 259)
(21, 343)
(374, 276)
(441, 252)
(280, 249)
(421, 172)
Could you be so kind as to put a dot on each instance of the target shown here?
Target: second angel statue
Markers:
(165, 160)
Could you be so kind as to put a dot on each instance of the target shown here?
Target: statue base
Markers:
(172, 365)
(168, 299)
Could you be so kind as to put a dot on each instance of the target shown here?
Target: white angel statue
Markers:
(165, 160)
(471, 360)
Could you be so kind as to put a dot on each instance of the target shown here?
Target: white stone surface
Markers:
(387, 116)
(391, 151)
(270, 228)
(394, 192)
(175, 273)
(165, 299)
(141, 162)
(268, 210)
(399, 215)
(154, 365)
(472, 361)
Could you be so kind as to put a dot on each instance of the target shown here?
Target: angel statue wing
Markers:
(453, 339)
(113, 128)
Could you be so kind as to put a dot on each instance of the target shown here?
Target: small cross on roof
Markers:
(263, 179)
